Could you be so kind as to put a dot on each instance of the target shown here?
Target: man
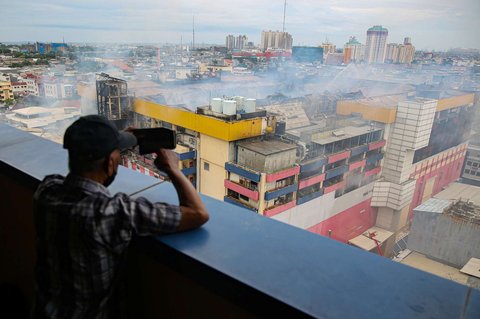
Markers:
(83, 232)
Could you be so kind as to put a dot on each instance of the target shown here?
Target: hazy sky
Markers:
(432, 24)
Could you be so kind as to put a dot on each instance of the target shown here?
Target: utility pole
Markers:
(283, 28)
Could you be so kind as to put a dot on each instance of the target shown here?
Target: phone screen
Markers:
(150, 140)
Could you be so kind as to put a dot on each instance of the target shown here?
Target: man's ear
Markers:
(110, 165)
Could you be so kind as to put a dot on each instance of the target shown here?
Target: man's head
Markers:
(94, 146)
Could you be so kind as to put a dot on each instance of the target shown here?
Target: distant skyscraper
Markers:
(400, 53)
(328, 48)
(353, 51)
(376, 44)
(230, 42)
(276, 40)
(241, 42)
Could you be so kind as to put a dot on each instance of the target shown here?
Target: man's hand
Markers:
(166, 161)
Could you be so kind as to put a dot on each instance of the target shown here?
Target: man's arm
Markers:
(194, 213)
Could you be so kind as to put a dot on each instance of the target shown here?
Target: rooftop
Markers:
(342, 134)
(267, 147)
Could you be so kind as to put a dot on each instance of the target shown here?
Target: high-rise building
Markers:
(236, 43)
(241, 42)
(353, 51)
(376, 46)
(400, 53)
(230, 42)
(276, 40)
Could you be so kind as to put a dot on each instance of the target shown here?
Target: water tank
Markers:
(217, 105)
(250, 105)
(240, 103)
(229, 107)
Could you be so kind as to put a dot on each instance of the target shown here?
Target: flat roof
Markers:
(458, 191)
(424, 263)
(387, 101)
(472, 267)
(342, 134)
(33, 110)
(434, 205)
(363, 241)
(267, 147)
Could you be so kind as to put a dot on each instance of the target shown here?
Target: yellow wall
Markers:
(379, 114)
(215, 152)
(455, 101)
(227, 131)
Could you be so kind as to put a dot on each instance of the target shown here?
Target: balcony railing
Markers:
(281, 191)
(239, 263)
(336, 171)
(250, 193)
(242, 171)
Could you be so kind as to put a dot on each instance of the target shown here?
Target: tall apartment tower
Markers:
(376, 44)
(276, 40)
(353, 51)
(230, 42)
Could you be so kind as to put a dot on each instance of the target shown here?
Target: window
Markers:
(467, 171)
(206, 166)
(475, 165)
(478, 173)
(245, 198)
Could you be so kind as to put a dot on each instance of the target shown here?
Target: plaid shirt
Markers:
(82, 238)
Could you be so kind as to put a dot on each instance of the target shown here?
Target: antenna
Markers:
(193, 30)
(284, 10)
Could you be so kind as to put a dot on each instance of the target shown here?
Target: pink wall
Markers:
(348, 224)
(445, 174)
(283, 174)
(279, 209)
(334, 187)
(338, 157)
(241, 190)
(311, 181)
(374, 171)
(357, 165)
(376, 145)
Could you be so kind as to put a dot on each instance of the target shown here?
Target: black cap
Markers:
(94, 137)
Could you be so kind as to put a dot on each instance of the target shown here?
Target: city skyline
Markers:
(437, 25)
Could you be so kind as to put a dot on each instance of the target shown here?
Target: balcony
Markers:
(187, 155)
(242, 171)
(356, 165)
(189, 171)
(311, 181)
(337, 171)
(250, 193)
(238, 203)
(239, 264)
(277, 209)
(309, 197)
(375, 145)
(281, 191)
(270, 178)
(374, 158)
(338, 157)
(373, 171)
(313, 165)
(359, 150)
(334, 187)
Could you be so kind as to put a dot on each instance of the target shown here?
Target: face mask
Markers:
(109, 180)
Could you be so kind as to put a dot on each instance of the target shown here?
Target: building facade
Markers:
(276, 40)
(353, 51)
(376, 45)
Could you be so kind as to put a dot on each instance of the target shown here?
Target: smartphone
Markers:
(150, 140)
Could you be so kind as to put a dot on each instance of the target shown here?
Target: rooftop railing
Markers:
(238, 265)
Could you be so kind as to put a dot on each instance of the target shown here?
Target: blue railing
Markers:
(242, 172)
(187, 155)
(359, 150)
(315, 165)
(336, 171)
(281, 191)
(263, 267)
(309, 197)
(374, 158)
(189, 170)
